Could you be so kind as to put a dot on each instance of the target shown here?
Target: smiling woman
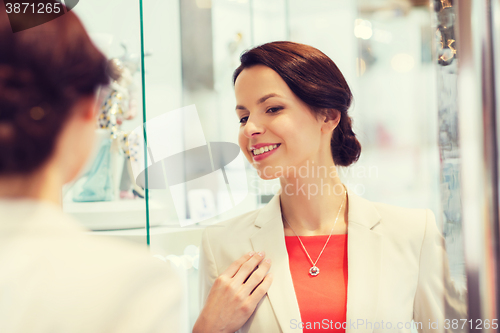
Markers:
(337, 258)
(323, 91)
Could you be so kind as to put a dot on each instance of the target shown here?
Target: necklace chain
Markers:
(314, 268)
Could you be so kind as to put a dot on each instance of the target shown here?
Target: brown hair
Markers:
(317, 81)
(44, 71)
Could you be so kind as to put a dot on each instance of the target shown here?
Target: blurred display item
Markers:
(445, 33)
(102, 182)
(201, 204)
(448, 136)
(385, 7)
(98, 181)
(130, 145)
(119, 103)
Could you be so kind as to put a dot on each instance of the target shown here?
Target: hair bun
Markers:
(346, 148)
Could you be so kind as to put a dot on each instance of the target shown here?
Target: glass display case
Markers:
(160, 184)
(103, 197)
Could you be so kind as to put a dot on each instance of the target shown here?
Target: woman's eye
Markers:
(243, 120)
(274, 110)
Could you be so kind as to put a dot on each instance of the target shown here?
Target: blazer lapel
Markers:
(270, 238)
(364, 250)
(363, 254)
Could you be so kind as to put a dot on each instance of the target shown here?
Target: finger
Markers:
(247, 268)
(260, 291)
(250, 274)
(256, 277)
(235, 266)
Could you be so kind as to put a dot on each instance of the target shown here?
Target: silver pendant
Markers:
(314, 271)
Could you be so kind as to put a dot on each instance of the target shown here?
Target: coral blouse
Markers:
(322, 299)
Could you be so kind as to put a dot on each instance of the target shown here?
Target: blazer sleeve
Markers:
(436, 299)
(207, 268)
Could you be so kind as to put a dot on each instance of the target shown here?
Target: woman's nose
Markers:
(253, 128)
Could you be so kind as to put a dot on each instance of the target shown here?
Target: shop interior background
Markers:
(387, 51)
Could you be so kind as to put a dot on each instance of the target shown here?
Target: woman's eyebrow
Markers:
(264, 98)
(259, 101)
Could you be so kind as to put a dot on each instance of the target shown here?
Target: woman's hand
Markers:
(235, 294)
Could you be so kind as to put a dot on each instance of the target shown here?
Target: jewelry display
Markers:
(118, 148)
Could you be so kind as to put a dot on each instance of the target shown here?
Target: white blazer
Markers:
(397, 269)
(57, 277)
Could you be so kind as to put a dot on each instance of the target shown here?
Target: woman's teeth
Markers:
(263, 149)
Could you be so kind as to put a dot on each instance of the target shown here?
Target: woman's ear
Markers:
(86, 107)
(331, 120)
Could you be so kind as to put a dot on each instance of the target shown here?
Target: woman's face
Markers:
(278, 131)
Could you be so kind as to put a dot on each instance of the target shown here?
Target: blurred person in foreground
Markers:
(54, 277)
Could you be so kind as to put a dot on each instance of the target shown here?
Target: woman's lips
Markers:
(263, 155)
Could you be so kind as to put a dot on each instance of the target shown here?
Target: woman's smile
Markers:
(262, 150)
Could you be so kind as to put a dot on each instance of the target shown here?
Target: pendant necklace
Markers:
(314, 270)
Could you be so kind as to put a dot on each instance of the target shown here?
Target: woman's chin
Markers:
(268, 177)
(268, 172)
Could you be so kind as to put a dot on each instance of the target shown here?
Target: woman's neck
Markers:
(45, 184)
(311, 204)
